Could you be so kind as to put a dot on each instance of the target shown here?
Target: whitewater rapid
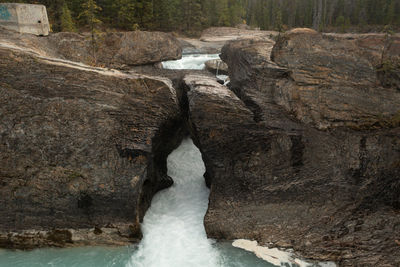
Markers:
(173, 230)
(189, 62)
(193, 62)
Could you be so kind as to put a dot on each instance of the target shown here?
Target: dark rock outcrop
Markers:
(276, 176)
(80, 147)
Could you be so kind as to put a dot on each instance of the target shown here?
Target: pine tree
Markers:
(89, 14)
(67, 24)
(195, 15)
(192, 16)
(390, 14)
(223, 13)
(125, 14)
(340, 22)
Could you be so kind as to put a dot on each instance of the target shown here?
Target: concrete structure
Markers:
(24, 18)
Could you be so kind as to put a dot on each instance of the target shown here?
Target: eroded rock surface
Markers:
(216, 66)
(113, 50)
(324, 80)
(80, 147)
(224, 34)
(276, 177)
(195, 46)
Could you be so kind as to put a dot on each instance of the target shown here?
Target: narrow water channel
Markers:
(173, 228)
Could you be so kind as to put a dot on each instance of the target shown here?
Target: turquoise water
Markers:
(110, 257)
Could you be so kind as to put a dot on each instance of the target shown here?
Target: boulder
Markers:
(80, 147)
(217, 66)
(137, 48)
(276, 176)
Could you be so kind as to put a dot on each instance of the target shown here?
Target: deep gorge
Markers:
(299, 151)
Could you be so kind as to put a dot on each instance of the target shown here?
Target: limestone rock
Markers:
(217, 66)
(113, 50)
(224, 34)
(195, 46)
(334, 81)
(138, 48)
(325, 80)
(80, 147)
(275, 176)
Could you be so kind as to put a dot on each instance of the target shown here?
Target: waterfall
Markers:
(173, 227)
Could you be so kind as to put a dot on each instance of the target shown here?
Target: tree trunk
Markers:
(317, 14)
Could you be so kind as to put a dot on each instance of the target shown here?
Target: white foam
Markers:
(173, 228)
(192, 62)
(276, 256)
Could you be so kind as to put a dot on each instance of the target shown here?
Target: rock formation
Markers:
(217, 66)
(80, 147)
(302, 151)
(113, 50)
(310, 158)
(224, 34)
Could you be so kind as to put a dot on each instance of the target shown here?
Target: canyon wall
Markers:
(80, 148)
(309, 158)
(302, 150)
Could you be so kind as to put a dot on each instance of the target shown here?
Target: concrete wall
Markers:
(24, 18)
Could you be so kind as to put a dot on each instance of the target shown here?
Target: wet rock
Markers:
(79, 147)
(217, 66)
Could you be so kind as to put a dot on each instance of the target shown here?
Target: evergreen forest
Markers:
(192, 16)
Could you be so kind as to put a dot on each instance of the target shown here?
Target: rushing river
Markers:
(194, 62)
(189, 62)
